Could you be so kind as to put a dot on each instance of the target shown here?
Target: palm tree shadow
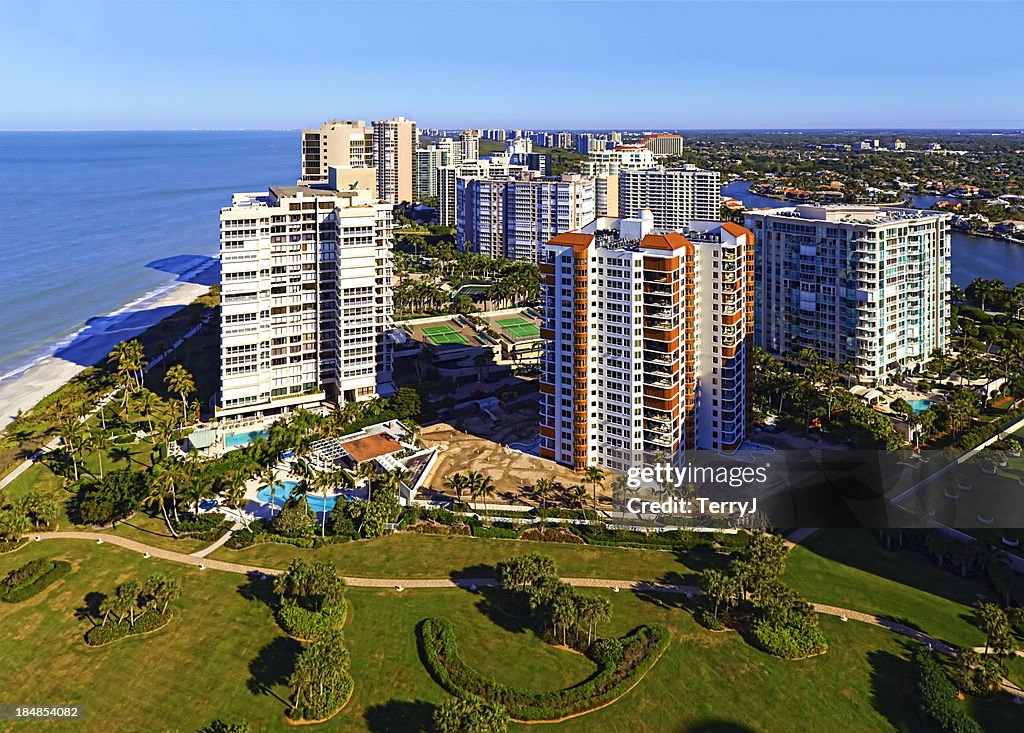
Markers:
(258, 587)
(273, 666)
(90, 608)
(893, 688)
(400, 715)
(480, 571)
(122, 454)
(505, 609)
(678, 601)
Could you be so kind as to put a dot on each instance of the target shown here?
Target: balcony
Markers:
(662, 441)
(660, 382)
(660, 324)
(657, 357)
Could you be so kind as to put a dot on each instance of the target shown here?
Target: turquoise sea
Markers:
(96, 225)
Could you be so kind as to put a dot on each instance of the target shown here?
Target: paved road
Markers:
(402, 584)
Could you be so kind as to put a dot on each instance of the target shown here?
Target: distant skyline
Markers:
(102, 65)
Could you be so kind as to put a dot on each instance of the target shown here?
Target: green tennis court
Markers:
(443, 335)
(519, 328)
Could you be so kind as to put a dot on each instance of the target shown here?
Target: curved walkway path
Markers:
(400, 584)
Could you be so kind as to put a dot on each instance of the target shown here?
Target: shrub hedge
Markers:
(12, 545)
(302, 623)
(494, 532)
(939, 695)
(258, 534)
(790, 641)
(112, 631)
(31, 578)
(620, 666)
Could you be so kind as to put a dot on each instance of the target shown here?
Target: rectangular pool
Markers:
(235, 440)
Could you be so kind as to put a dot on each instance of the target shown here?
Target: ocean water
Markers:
(95, 225)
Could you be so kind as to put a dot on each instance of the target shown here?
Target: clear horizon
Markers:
(786, 66)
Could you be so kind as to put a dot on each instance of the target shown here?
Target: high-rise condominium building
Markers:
(306, 296)
(604, 166)
(447, 175)
(343, 143)
(469, 143)
(514, 216)
(859, 285)
(588, 142)
(394, 156)
(664, 144)
(648, 341)
(676, 196)
(428, 160)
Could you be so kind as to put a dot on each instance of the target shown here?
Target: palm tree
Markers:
(328, 480)
(72, 436)
(480, 485)
(457, 483)
(595, 475)
(170, 474)
(233, 487)
(157, 497)
(96, 438)
(542, 489)
(120, 357)
(162, 435)
(268, 475)
(579, 494)
(365, 472)
(146, 403)
(180, 381)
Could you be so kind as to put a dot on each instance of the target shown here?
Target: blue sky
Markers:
(91, 64)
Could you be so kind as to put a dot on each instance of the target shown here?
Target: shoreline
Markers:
(24, 387)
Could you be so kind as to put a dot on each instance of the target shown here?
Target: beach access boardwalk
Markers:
(199, 560)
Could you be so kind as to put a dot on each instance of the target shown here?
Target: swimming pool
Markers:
(284, 491)
(919, 405)
(531, 447)
(234, 440)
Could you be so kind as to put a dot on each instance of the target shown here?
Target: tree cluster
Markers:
(562, 614)
(750, 590)
(311, 600)
(136, 607)
(321, 683)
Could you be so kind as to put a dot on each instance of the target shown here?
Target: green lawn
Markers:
(850, 568)
(223, 656)
(408, 555)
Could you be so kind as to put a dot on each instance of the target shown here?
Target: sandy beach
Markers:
(89, 346)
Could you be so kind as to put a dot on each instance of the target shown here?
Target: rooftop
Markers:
(371, 446)
(281, 192)
(847, 214)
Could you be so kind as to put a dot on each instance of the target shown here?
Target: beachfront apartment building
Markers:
(513, 216)
(306, 296)
(605, 166)
(675, 196)
(664, 144)
(342, 143)
(647, 341)
(448, 176)
(859, 285)
(394, 156)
